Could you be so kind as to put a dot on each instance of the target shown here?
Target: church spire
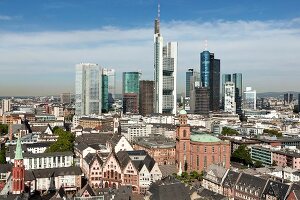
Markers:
(18, 153)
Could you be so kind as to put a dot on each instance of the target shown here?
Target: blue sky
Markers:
(41, 41)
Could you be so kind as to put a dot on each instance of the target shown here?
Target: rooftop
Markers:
(203, 137)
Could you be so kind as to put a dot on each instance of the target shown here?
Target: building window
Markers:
(205, 149)
(205, 162)
(213, 149)
(197, 161)
(184, 146)
(184, 133)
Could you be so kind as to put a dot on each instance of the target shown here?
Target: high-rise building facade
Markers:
(215, 85)
(210, 78)
(131, 88)
(111, 76)
(165, 73)
(146, 97)
(105, 105)
(88, 89)
(6, 105)
(229, 97)
(249, 99)
(65, 98)
(225, 78)
(188, 77)
(288, 98)
(237, 79)
(199, 100)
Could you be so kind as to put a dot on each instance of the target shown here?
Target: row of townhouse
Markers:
(242, 186)
(135, 168)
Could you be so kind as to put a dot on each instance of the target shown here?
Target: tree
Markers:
(229, 131)
(2, 155)
(64, 141)
(3, 129)
(258, 164)
(272, 132)
(242, 155)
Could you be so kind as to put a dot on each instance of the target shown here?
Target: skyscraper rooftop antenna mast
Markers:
(157, 20)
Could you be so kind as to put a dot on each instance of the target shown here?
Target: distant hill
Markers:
(276, 94)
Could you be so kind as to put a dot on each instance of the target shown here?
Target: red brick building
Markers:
(196, 151)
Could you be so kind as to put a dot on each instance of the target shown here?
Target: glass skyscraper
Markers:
(205, 62)
(105, 106)
(225, 78)
(188, 75)
(88, 89)
(250, 99)
(210, 78)
(237, 79)
(131, 88)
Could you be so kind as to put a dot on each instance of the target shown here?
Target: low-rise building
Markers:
(160, 148)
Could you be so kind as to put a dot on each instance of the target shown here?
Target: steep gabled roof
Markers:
(87, 188)
(276, 189)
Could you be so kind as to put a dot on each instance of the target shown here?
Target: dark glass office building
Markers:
(210, 78)
(237, 78)
(131, 88)
(188, 76)
(215, 84)
(146, 97)
(104, 93)
(205, 65)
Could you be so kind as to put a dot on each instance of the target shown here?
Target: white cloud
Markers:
(5, 17)
(266, 52)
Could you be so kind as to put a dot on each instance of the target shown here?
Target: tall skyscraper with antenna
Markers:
(165, 72)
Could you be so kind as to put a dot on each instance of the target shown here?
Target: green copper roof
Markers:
(203, 137)
(182, 112)
(18, 153)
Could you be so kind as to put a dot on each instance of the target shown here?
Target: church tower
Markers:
(18, 171)
(183, 133)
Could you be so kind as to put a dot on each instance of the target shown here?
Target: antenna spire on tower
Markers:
(158, 11)
(205, 45)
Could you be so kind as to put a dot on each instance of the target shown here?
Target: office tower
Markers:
(111, 76)
(131, 87)
(65, 98)
(165, 72)
(249, 99)
(188, 75)
(88, 89)
(146, 97)
(237, 79)
(6, 105)
(229, 97)
(199, 102)
(215, 85)
(104, 89)
(210, 78)
(225, 78)
(288, 98)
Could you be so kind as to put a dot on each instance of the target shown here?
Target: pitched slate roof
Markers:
(230, 179)
(87, 188)
(169, 188)
(90, 157)
(218, 171)
(276, 189)
(210, 195)
(4, 168)
(61, 171)
(256, 184)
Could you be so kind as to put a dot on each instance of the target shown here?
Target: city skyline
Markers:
(38, 57)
